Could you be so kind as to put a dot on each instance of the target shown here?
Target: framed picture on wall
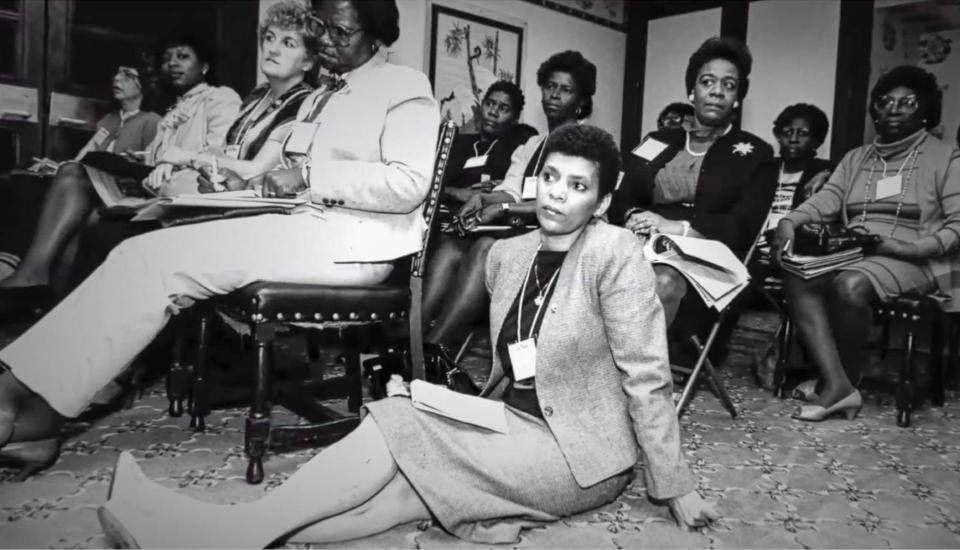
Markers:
(467, 53)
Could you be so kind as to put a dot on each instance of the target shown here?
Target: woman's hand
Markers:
(397, 386)
(159, 176)
(228, 180)
(691, 511)
(177, 156)
(645, 223)
(782, 242)
(485, 215)
(473, 205)
(889, 246)
(283, 183)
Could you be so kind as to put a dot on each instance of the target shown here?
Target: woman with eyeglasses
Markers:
(126, 130)
(904, 187)
(362, 152)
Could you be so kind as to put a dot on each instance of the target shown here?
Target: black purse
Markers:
(820, 239)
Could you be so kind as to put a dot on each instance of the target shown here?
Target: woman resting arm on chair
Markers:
(905, 187)
(599, 380)
(368, 192)
(567, 83)
(706, 181)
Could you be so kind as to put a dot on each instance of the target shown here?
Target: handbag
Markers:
(820, 239)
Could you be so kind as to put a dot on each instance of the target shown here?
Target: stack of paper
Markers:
(227, 200)
(809, 267)
(709, 266)
(461, 407)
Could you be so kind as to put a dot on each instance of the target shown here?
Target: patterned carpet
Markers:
(779, 483)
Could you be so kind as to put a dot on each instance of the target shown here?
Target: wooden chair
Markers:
(356, 312)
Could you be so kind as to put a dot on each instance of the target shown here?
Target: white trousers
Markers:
(96, 331)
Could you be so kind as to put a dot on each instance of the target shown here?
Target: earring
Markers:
(690, 97)
(736, 104)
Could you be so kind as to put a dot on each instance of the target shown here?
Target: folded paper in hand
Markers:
(709, 266)
(469, 409)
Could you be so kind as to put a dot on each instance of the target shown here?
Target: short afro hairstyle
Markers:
(292, 15)
(513, 92)
(584, 73)
(728, 48)
(817, 119)
(682, 109)
(379, 19)
(590, 143)
(921, 82)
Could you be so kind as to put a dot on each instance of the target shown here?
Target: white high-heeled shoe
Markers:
(848, 407)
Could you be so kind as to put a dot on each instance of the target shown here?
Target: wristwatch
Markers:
(504, 206)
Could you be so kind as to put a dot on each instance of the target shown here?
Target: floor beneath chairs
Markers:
(779, 483)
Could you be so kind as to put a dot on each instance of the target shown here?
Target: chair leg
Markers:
(905, 388)
(200, 398)
(417, 367)
(354, 373)
(780, 372)
(178, 375)
(937, 392)
(718, 388)
(953, 352)
(257, 432)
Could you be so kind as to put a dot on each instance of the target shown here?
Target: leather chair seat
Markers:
(267, 301)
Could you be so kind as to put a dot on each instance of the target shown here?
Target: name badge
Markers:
(233, 151)
(474, 162)
(523, 357)
(101, 136)
(649, 148)
(529, 188)
(484, 177)
(889, 186)
(300, 139)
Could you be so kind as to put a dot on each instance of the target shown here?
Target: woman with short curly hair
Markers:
(904, 187)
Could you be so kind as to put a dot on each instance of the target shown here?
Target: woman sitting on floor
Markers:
(706, 181)
(578, 296)
(905, 187)
(567, 83)
(367, 194)
(198, 120)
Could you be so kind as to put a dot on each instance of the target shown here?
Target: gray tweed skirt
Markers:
(484, 486)
(892, 277)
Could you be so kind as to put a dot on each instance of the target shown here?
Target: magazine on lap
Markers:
(711, 268)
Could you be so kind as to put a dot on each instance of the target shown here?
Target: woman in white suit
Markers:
(370, 141)
(585, 391)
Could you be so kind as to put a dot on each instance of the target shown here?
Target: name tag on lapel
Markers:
(301, 137)
(529, 188)
(889, 186)
(649, 149)
(523, 357)
(101, 136)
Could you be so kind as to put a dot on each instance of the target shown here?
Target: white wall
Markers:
(670, 41)
(794, 47)
(547, 32)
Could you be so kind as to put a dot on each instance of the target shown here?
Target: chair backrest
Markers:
(448, 130)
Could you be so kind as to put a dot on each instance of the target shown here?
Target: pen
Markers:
(786, 247)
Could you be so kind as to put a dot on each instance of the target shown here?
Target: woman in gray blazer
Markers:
(581, 370)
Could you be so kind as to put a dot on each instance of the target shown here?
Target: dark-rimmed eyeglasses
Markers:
(907, 103)
(339, 35)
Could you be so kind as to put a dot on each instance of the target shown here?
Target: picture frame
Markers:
(468, 51)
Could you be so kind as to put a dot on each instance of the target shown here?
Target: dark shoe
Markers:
(22, 303)
(30, 456)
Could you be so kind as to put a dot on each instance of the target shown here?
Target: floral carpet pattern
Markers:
(778, 483)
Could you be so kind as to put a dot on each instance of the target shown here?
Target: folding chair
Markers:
(703, 365)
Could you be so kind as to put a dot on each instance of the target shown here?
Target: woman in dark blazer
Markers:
(591, 393)
(713, 181)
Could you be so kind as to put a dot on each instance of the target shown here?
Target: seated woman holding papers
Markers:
(367, 211)
(708, 181)
(567, 83)
(903, 187)
(580, 388)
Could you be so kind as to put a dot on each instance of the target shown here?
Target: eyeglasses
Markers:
(339, 35)
(908, 103)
